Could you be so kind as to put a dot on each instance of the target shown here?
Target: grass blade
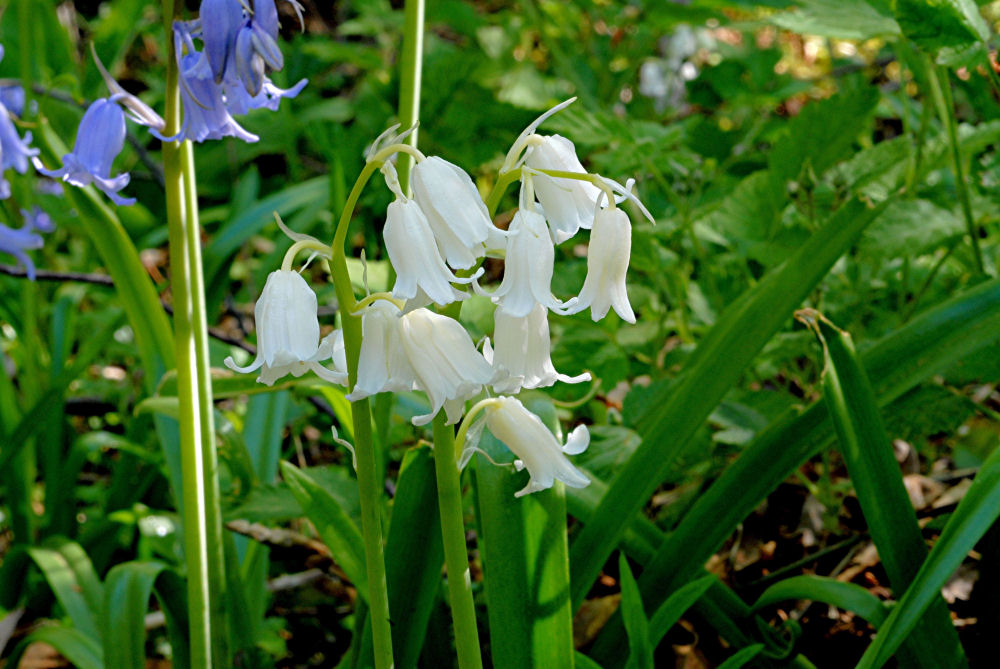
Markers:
(742, 657)
(878, 484)
(717, 365)
(71, 576)
(83, 651)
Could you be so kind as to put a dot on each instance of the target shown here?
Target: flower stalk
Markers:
(200, 494)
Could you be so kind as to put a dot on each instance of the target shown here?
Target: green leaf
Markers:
(414, 555)
(841, 19)
(127, 590)
(741, 657)
(83, 651)
(974, 516)
(73, 581)
(927, 345)
(713, 369)
(335, 527)
(671, 610)
(878, 484)
(524, 552)
(909, 228)
(640, 651)
(846, 596)
(941, 24)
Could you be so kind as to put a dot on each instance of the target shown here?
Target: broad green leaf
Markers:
(846, 596)
(127, 590)
(335, 527)
(640, 650)
(414, 555)
(526, 575)
(713, 369)
(927, 345)
(938, 24)
(910, 228)
(842, 19)
(262, 432)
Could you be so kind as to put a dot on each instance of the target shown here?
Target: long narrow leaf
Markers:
(846, 596)
(640, 650)
(414, 555)
(878, 484)
(71, 576)
(127, 590)
(721, 359)
(524, 549)
(337, 530)
(83, 651)
(976, 513)
(897, 363)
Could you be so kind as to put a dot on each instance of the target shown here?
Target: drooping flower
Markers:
(420, 350)
(288, 334)
(569, 204)
(607, 264)
(239, 102)
(206, 115)
(455, 211)
(99, 139)
(523, 352)
(537, 449)
(413, 252)
(17, 241)
(527, 276)
(221, 21)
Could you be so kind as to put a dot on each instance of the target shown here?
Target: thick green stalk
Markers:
(409, 82)
(941, 91)
(207, 630)
(364, 447)
(456, 557)
(209, 458)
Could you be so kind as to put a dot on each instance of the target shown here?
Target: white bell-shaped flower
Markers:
(569, 204)
(413, 251)
(382, 364)
(527, 276)
(523, 352)
(607, 263)
(456, 212)
(419, 350)
(537, 449)
(288, 333)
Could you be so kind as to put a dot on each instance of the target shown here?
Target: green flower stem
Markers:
(941, 91)
(456, 557)
(368, 486)
(209, 457)
(199, 503)
(499, 188)
(411, 61)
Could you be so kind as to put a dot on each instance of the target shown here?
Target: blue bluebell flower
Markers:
(206, 115)
(240, 102)
(221, 20)
(17, 241)
(99, 140)
(14, 150)
(12, 97)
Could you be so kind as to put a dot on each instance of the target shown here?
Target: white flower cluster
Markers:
(446, 227)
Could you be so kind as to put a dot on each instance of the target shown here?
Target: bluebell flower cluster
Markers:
(14, 149)
(18, 241)
(228, 77)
